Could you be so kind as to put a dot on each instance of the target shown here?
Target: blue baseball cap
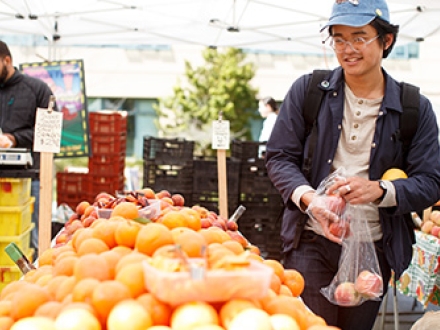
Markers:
(357, 13)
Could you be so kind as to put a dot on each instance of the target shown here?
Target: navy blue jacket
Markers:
(288, 144)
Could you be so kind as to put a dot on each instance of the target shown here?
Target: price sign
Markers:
(220, 134)
(48, 126)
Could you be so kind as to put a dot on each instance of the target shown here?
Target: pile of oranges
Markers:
(96, 281)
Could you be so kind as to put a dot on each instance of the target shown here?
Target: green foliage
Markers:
(221, 84)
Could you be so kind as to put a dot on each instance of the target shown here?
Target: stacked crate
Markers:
(205, 184)
(16, 208)
(168, 165)
(108, 136)
(108, 140)
(261, 222)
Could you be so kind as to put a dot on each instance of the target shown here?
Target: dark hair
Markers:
(271, 102)
(4, 50)
(383, 28)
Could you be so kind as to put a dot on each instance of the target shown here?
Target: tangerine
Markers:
(152, 236)
(106, 295)
(127, 210)
(159, 311)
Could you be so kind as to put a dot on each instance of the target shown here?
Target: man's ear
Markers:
(388, 40)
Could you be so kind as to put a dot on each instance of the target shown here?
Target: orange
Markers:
(112, 258)
(122, 250)
(64, 266)
(46, 257)
(189, 315)
(313, 319)
(65, 288)
(159, 311)
(106, 295)
(132, 276)
(92, 265)
(234, 246)
(34, 323)
(394, 174)
(12, 288)
(54, 284)
(5, 307)
(193, 218)
(78, 304)
(132, 258)
(290, 306)
(151, 237)
(251, 318)
(77, 318)
(92, 245)
(129, 314)
(83, 290)
(294, 281)
(284, 290)
(254, 249)
(277, 267)
(214, 235)
(127, 210)
(50, 309)
(178, 230)
(33, 275)
(148, 193)
(191, 242)
(106, 233)
(6, 322)
(26, 301)
(231, 308)
(275, 283)
(126, 233)
(80, 235)
(174, 219)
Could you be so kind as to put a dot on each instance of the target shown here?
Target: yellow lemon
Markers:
(394, 174)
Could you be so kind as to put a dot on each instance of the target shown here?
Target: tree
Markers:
(222, 84)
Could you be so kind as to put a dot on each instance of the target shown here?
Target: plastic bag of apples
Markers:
(326, 211)
(359, 277)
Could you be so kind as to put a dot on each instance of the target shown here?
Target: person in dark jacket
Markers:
(20, 96)
(357, 125)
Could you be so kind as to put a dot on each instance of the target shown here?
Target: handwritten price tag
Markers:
(220, 134)
(48, 126)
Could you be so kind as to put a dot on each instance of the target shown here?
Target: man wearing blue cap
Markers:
(357, 129)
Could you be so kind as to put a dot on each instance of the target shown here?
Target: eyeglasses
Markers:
(357, 44)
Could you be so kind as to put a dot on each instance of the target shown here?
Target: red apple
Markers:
(340, 229)
(231, 225)
(346, 295)
(435, 231)
(335, 204)
(369, 284)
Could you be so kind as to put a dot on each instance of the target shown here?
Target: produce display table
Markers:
(422, 278)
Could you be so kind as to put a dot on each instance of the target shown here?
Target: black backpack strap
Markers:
(312, 103)
(410, 99)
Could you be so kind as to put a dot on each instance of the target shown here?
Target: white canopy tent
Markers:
(267, 25)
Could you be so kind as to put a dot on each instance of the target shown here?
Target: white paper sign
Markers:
(48, 126)
(220, 134)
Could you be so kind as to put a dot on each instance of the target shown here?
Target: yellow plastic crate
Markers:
(22, 241)
(9, 274)
(14, 191)
(14, 220)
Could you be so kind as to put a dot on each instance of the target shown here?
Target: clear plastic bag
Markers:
(359, 277)
(328, 210)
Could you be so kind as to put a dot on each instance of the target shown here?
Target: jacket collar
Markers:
(16, 77)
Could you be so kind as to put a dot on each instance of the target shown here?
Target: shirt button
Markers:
(358, 113)
(335, 94)
(339, 127)
(360, 101)
(373, 145)
(354, 137)
(329, 161)
(356, 125)
(380, 113)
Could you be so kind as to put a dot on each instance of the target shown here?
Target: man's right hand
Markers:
(5, 142)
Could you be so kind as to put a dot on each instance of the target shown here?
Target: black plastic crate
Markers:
(211, 201)
(205, 179)
(274, 200)
(174, 178)
(254, 178)
(246, 150)
(167, 151)
(264, 234)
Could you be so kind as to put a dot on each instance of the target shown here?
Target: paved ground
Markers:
(409, 312)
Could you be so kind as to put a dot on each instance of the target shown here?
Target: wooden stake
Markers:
(222, 183)
(45, 214)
